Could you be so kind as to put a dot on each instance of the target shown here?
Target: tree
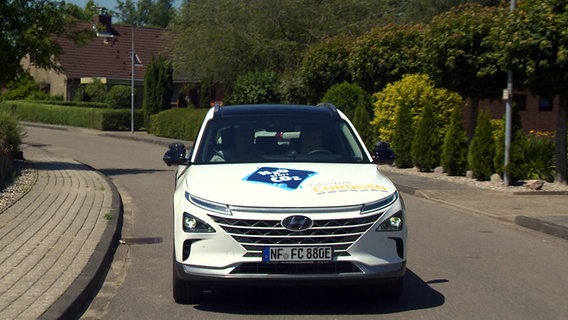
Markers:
(454, 150)
(218, 40)
(533, 43)
(517, 166)
(158, 87)
(256, 87)
(425, 149)
(384, 55)
(482, 148)
(424, 10)
(454, 50)
(27, 30)
(403, 135)
(146, 12)
(325, 64)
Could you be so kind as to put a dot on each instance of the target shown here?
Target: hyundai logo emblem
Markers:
(297, 223)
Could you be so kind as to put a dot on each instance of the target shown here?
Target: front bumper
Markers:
(207, 277)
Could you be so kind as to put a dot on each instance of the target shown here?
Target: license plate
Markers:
(293, 254)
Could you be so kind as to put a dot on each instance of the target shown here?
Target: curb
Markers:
(84, 288)
(542, 226)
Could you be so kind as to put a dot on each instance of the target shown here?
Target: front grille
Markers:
(254, 235)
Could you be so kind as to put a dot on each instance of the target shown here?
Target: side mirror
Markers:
(176, 155)
(383, 154)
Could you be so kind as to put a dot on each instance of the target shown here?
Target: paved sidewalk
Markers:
(57, 241)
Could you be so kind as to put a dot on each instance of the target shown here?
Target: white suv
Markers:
(283, 194)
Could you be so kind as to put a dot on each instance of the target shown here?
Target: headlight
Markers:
(393, 223)
(208, 205)
(193, 224)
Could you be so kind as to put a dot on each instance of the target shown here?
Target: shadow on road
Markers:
(337, 300)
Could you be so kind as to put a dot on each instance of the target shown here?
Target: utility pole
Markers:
(132, 57)
(508, 121)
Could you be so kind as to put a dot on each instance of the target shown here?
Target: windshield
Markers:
(258, 139)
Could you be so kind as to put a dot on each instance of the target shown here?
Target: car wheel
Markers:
(184, 292)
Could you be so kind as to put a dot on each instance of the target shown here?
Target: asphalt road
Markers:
(460, 265)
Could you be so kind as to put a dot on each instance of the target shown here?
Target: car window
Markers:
(273, 139)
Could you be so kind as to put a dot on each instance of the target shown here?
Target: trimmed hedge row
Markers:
(95, 118)
(178, 123)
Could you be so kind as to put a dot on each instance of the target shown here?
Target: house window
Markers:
(545, 104)
(520, 100)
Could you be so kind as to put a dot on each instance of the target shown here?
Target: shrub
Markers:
(10, 132)
(95, 91)
(403, 136)
(158, 88)
(361, 121)
(454, 151)
(540, 156)
(256, 87)
(517, 148)
(178, 123)
(324, 65)
(425, 145)
(415, 90)
(118, 97)
(482, 148)
(347, 97)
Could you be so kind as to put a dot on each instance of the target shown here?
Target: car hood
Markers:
(287, 184)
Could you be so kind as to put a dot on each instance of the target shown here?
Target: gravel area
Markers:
(519, 187)
(25, 178)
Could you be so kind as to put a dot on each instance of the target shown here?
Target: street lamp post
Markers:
(132, 57)
(508, 121)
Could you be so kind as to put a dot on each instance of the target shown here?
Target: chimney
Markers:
(103, 23)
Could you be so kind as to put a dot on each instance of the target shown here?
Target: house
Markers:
(107, 57)
(538, 114)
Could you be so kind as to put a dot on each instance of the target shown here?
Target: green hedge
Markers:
(95, 118)
(178, 123)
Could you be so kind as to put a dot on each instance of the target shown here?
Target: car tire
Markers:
(184, 292)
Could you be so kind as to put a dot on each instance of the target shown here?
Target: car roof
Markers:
(322, 110)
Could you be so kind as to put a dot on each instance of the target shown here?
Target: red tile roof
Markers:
(110, 57)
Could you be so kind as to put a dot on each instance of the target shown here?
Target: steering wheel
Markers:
(319, 151)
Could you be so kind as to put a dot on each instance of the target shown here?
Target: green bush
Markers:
(403, 136)
(517, 149)
(95, 91)
(454, 150)
(118, 97)
(415, 90)
(347, 97)
(100, 119)
(178, 123)
(540, 156)
(10, 132)
(324, 65)
(482, 148)
(256, 87)
(426, 144)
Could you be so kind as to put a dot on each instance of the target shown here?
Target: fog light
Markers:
(394, 223)
(193, 224)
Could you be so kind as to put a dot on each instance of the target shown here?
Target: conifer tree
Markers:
(425, 145)
(517, 148)
(158, 87)
(403, 136)
(454, 150)
(482, 148)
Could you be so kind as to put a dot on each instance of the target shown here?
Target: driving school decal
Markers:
(289, 179)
